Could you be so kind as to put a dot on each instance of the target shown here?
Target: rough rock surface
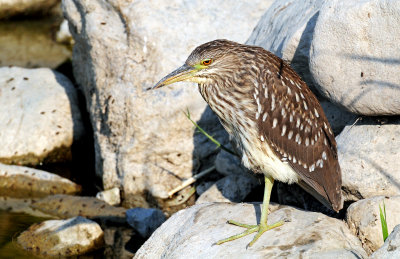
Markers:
(110, 196)
(66, 206)
(391, 247)
(21, 206)
(338, 117)
(25, 182)
(145, 221)
(286, 29)
(191, 233)
(10, 8)
(144, 142)
(364, 220)
(228, 164)
(31, 44)
(232, 188)
(39, 116)
(368, 156)
(355, 56)
(69, 237)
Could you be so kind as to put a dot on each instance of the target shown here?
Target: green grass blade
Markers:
(216, 142)
(382, 215)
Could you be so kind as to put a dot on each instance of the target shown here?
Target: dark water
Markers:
(121, 241)
(11, 225)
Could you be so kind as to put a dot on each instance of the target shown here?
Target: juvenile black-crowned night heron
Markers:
(276, 121)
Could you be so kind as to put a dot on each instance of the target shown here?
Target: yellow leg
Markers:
(263, 226)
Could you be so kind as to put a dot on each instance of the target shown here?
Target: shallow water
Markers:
(11, 225)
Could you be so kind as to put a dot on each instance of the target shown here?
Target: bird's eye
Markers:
(206, 62)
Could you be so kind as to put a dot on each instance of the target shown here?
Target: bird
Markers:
(276, 121)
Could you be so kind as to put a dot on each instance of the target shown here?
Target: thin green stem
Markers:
(216, 142)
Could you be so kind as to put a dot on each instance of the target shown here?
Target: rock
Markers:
(144, 142)
(31, 44)
(191, 233)
(364, 220)
(352, 55)
(228, 164)
(145, 221)
(69, 237)
(24, 182)
(368, 158)
(10, 8)
(39, 116)
(391, 247)
(67, 206)
(233, 188)
(286, 29)
(203, 187)
(63, 35)
(338, 117)
(21, 206)
(111, 196)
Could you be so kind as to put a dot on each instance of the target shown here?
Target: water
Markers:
(11, 225)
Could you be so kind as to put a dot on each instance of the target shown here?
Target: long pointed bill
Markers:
(180, 74)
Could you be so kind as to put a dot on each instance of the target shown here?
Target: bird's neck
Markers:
(233, 108)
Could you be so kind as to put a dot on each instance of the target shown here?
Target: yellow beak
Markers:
(183, 73)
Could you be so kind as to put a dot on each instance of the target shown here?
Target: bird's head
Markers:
(205, 63)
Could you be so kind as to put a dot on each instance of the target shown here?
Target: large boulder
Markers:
(143, 140)
(363, 218)
(31, 44)
(368, 156)
(60, 238)
(39, 116)
(10, 8)
(355, 55)
(192, 233)
(24, 182)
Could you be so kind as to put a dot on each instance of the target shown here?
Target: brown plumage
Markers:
(264, 88)
(276, 121)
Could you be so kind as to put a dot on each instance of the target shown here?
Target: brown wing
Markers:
(294, 124)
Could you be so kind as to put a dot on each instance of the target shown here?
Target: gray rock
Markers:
(286, 29)
(31, 44)
(232, 188)
(391, 247)
(203, 186)
(364, 220)
(145, 221)
(191, 233)
(61, 238)
(143, 141)
(39, 116)
(111, 196)
(368, 156)
(338, 117)
(67, 206)
(352, 55)
(17, 205)
(228, 164)
(10, 8)
(25, 182)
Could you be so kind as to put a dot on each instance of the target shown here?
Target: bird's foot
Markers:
(260, 229)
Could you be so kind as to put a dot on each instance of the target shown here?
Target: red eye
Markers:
(206, 62)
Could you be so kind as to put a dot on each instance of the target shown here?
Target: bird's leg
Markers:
(263, 226)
